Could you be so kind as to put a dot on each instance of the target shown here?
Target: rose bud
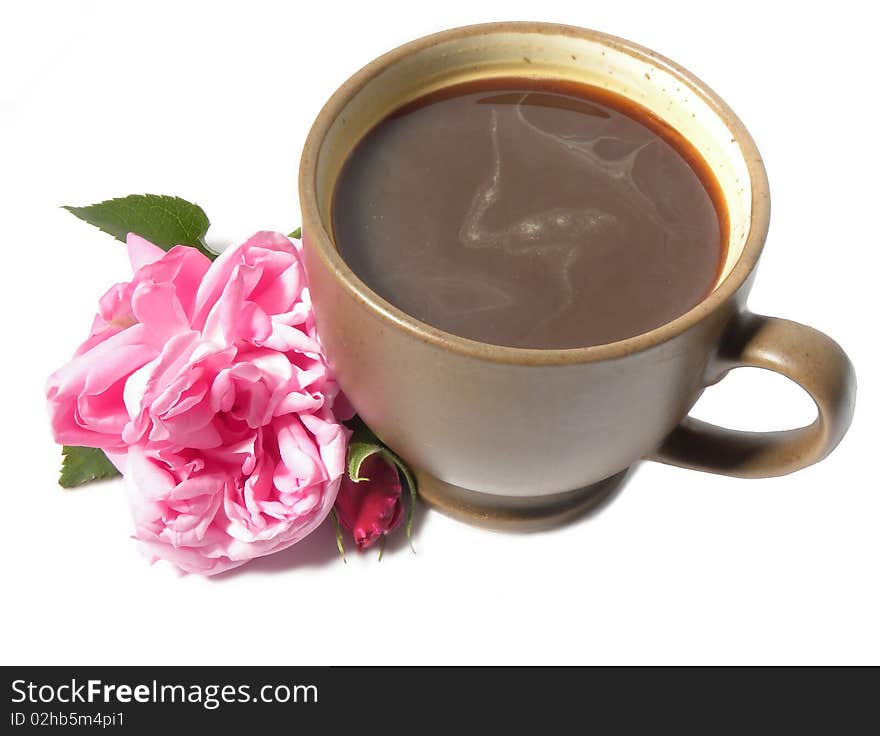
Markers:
(372, 507)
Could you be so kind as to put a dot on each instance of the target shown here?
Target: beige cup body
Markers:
(504, 428)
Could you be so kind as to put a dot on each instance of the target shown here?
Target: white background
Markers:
(213, 102)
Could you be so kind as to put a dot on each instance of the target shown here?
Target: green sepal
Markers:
(339, 545)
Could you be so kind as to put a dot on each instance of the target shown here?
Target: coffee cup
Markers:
(520, 437)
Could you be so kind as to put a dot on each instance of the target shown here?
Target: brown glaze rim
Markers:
(322, 241)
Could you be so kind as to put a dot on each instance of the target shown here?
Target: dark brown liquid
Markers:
(531, 213)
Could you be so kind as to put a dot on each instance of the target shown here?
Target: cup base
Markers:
(516, 513)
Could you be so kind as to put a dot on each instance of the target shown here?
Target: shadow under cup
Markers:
(518, 437)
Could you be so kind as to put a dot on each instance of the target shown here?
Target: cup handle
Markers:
(806, 356)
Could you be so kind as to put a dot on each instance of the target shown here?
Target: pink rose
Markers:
(85, 396)
(372, 507)
(221, 401)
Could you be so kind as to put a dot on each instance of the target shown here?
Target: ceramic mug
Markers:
(524, 437)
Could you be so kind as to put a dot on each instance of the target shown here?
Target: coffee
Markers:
(531, 213)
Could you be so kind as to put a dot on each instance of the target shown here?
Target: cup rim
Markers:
(321, 241)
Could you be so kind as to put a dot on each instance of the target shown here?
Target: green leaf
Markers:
(83, 465)
(163, 220)
(363, 444)
(296, 234)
